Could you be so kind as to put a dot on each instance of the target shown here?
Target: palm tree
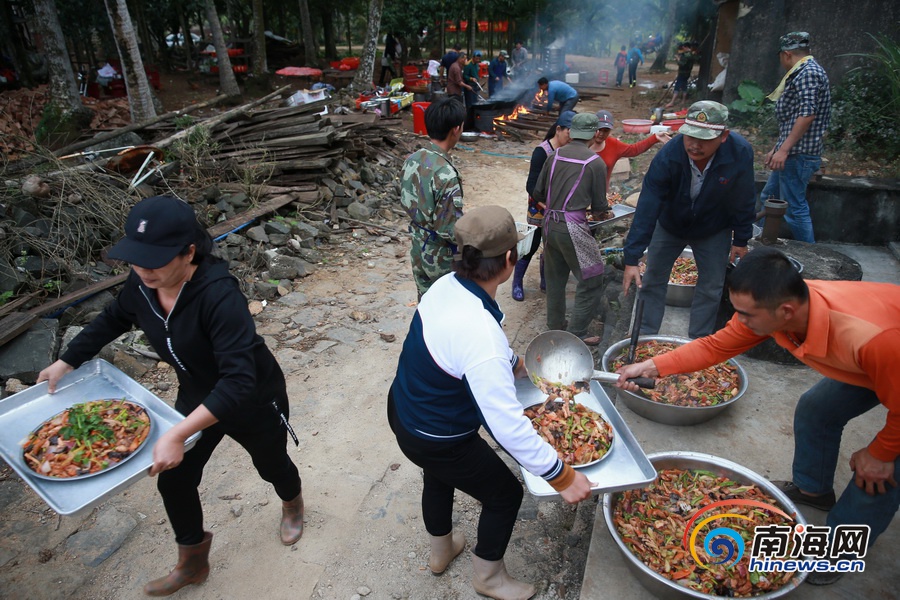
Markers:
(140, 98)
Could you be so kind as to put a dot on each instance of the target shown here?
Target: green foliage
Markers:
(886, 59)
(864, 116)
(751, 98)
(183, 121)
(752, 110)
(6, 297)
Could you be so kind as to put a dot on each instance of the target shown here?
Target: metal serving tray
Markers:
(627, 466)
(620, 211)
(94, 380)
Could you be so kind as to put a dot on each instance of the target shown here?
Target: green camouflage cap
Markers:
(793, 40)
(584, 126)
(705, 120)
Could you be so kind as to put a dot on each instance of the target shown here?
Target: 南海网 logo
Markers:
(724, 545)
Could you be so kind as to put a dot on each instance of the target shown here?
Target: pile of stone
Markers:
(325, 175)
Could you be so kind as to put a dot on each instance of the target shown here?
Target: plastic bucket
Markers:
(418, 109)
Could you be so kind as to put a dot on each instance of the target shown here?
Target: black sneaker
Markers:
(823, 502)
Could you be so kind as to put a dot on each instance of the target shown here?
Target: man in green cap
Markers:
(803, 108)
(698, 192)
(573, 181)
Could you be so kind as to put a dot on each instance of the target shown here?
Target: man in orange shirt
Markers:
(849, 331)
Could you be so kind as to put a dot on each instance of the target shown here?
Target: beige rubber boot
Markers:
(444, 548)
(291, 529)
(492, 580)
(192, 567)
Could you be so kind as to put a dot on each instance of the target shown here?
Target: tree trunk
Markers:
(328, 32)
(147, 49)
(186, 32)
(260, 63)
(140, 98)
(473, 25)
(364, 75)
(309, 40)
(662, 54)
(63, 88)
(349, 30)
(227, 81)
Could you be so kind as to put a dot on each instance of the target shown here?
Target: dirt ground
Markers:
(364, 536)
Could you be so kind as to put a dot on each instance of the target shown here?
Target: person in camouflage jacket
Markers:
(431, 194)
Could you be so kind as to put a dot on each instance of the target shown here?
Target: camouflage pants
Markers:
(430, 264)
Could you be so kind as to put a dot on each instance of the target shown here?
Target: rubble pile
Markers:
(274, 185)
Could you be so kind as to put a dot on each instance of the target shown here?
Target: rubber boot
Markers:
(444, 548)
(492, 580)
(192, 567)
(292, 520)
(543, 281)
(518, 292)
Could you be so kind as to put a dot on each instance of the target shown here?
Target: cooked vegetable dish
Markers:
(579, 435)
(652, 522)
(708, 387)
(684, 271)
(555, 389)
(87, 438)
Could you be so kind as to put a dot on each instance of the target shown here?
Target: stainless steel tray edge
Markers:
(628, 466)
(74, 497)
(620, 211)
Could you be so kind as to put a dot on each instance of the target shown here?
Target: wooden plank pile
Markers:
(298, 144)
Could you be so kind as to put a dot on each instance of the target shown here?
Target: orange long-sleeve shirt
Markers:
(853, 337)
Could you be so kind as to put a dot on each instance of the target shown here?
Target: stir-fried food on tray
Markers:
(684, 271)
(708, 387)
(652, 522)
(87, 438)
(579, 435)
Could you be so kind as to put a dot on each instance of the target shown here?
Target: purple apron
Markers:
(590, 261)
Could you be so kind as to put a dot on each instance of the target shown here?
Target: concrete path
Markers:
(757, 433)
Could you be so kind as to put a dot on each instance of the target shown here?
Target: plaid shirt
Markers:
(806, 93)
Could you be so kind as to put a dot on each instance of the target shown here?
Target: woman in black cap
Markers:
(196, 318)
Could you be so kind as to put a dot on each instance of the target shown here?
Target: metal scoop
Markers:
(559, 356)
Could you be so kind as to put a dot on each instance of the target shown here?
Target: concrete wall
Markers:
(853, 210)
(836, 27)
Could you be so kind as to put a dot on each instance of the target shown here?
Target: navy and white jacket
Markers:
(456, 374)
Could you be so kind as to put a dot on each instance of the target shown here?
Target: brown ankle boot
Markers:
(292, 520)
(192, 567)
(444, 548)
(492, 580)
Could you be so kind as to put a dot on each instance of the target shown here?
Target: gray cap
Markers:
(793, 40)
(605, 118)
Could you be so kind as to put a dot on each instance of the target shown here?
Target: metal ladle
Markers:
(559, 356)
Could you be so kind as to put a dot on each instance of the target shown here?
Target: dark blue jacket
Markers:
(727, 199)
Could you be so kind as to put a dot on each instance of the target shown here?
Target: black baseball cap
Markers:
(156, 231)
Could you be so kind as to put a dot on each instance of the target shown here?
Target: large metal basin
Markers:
(664, 588)
(676, 293)
(668, 414)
